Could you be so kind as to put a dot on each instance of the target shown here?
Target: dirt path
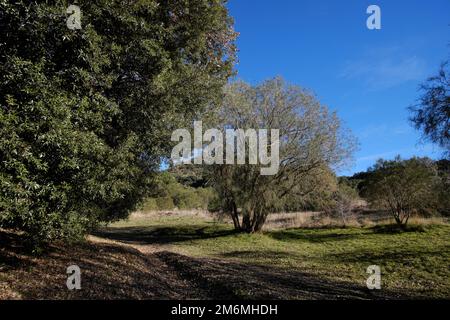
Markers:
(151, 251)
(142, 248)
(109, 270)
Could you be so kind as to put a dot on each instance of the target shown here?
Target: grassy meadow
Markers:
(414, 263)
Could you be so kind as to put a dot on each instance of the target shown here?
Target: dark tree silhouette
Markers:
(432, 113)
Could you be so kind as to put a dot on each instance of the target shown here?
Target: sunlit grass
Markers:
(416, 261)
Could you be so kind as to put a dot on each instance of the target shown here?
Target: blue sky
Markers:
(369, 76)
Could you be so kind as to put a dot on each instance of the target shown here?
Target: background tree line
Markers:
(401, 187)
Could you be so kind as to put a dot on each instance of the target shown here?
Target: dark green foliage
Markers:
(86, 115)
(172, 194)
(191, 175)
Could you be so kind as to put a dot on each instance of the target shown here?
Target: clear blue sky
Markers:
(369, 76)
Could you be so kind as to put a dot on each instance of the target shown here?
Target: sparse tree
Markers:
(432, 113)
(342, 201)
(312, 141)
(402, 186)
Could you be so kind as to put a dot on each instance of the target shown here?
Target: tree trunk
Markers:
(261, 219)
(231, 209)
(253, 220)
(246, 221)
(235, 216)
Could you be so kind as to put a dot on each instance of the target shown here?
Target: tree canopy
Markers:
(311, 142)
(432, 113)
(403, 186)
(86, 115)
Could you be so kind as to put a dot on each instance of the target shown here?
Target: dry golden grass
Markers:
(359, 217)
(204, 214)
(308, 219)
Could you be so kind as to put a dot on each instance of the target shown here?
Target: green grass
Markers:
(415, 262)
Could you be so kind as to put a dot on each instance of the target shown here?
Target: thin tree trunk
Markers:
(235, 216)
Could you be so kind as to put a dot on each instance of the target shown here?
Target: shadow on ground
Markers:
(111, 271)
(108, 271)
(401, 257)
(161, 235)
(316, 237)
(231, 280)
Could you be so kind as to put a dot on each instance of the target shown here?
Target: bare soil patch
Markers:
(108, 271)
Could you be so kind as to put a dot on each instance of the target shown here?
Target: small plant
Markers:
(341, 204)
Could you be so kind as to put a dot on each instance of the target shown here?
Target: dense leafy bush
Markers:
(403, 187)
(171, 194)
(86, 115)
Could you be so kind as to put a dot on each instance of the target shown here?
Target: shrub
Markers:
(164, 203)
(403, 186)
(340, 204)
(170, 195)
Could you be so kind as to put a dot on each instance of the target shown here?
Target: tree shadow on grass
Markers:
(402, 257)
(225, 279)
(110, 271)
(396, 229)
(314, 237)
(267, 254)
(161, 235)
